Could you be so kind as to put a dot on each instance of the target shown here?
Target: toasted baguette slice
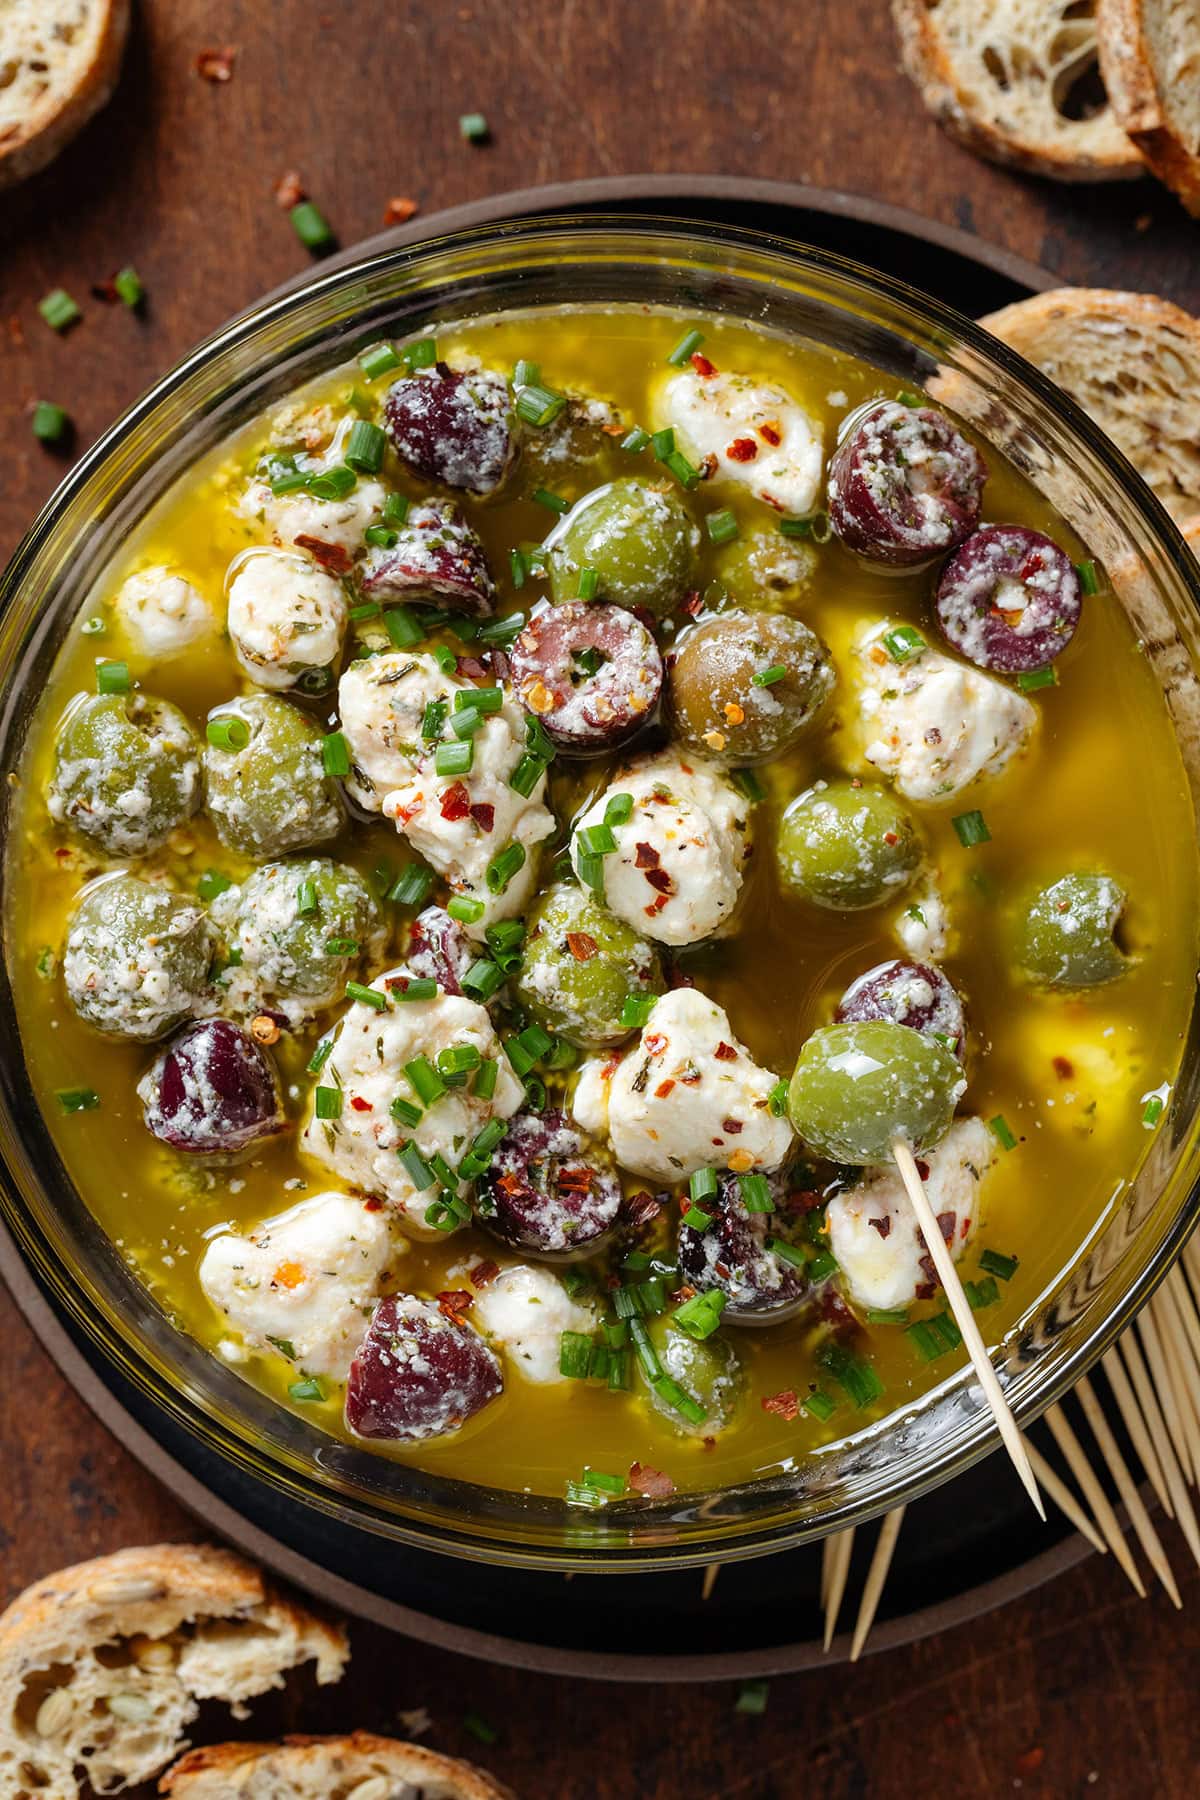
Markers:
(59, 63)
(1017, 81)
(358, 1767)
(1133, 362)
(102, 1666)
(1150, 58)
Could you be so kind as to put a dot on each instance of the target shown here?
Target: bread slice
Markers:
(1150, 58)
(102, 1666)
(1017, 81)
(1133, 362)
(358, 1767)
(59, 63)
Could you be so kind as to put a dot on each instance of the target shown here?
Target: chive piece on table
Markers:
(474, 128)
(128, 284)
(752, 1697)
(311, 226)
(50, 423)
(59, 310)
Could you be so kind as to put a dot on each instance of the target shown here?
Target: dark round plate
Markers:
(964, 1549)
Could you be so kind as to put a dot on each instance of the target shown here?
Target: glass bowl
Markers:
(807, 294)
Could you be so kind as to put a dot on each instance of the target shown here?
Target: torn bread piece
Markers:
(59, 64)
(1150, 61)
(358, 1767)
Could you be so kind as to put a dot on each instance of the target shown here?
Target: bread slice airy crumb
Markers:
(358, 1767)
(1017, 81)
(59, 63)
(103, 1666)
(1150, 58)
(1133, 362)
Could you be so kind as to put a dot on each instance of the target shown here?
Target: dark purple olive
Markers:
(438, 558)
(543, 1195)
(439, 949)
(452, 426)
(761, 1287)
(590, 672)
(418, 1373)
(903, 484)
(1009, 599)
(912, 994)
(213, 1091)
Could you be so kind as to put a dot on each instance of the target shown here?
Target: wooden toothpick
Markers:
(877, 1574)
(964, 1318)
(1095, 1496)
(834, 1575)
(1139, 1518)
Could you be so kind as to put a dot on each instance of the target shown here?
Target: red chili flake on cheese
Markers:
(510, 1184)
(484, 1272)
(922, 1168)
(359, 1104)
(1063, 1069)
(946, 1223)
(661, 880)
(663, 1089)
(217, 65)
(374, 1204)
(701, 364)
(656, 905)
(742, 450)
(582, 945)
(771, 433)
(454, 1302)
(784, 1404)
(484, 815)
(333, 557)
(650, 1482)
(882, 1226)
(654, 1043)
(646, 856)
(456, 801)
(732, 1126)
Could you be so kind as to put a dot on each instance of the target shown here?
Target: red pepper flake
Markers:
(484, 815)
(784, 1404)
(454, 1302)
(922, 1168)
(834, 1309)
(890, 838)
(511, 1185)
(578, 1180)
(1030, 1761)
(655, 907)
(484, 1272)
(646, 856)
(456, 801)
(803, 1200)
(946, 1223)
(771, 433)
(742, 450)
(334, 557)
(640, 1209)
(105, 292)
(374, 1204)
(472, 667)
(732, 1126)
(359, 1104)
(400, 209)
(217, 65)
(582, 945)
(882, 1226)
(661, 880)
(725, 1052)
(663, 1089)
(654, 1043)
(694, 603)
(650, 1482)
(701, 364)
(16, 330)
(288, 190)
(1063, 1069)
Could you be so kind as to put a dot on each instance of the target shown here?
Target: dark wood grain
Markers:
(1079, 1688)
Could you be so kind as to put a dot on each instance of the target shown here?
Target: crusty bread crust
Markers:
(332, 1768)
(72, 94)
(178, 1623)
(943, 48)
(1133, 362)
(1147, 98)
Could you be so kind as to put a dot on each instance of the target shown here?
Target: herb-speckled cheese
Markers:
(754, 432)
(287, 617)
(525, 1311)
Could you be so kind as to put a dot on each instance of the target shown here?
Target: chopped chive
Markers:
(1088, 580)
(367, 609)
(94, 627)
(365, 447)
(722, 526)
(527, 774)
(858, 1377)
(903, 643)
(59, 310)
(284, 1346)
(574, 1355)
(579, 1494)
(589, 584)
(822, 1266)
(647, 1355)
(619, 809)
(992, 1262)
(415, 1167)
(590, 870)
(412, 885)
(1153, 1110)
(1002, 1132)
(702, 1186)
(596, 840)
(50, 423)
(748, 783)
(505, 940)
(502, 868)
(981, 1294)
(212, 883)
(887, 1315)
(332, 484)
(526, 373)
(395, 509)
(539, 405)
(465, 908)
(128, 285)
(484, 1084)
(112, 678)
(819, 1404)
(454, 758)
(311, 226)
(679, 1400)
(664, 442)
(483, 979)
(432, 720)
(335, 754)
(327, 1102)
(690, 341)
(320, 1056)
(366, 996)
(777, 1100)
(701, 1315)
(908, 397)
(752, 1697)
(458, 1059)
(1030, 680)
(788, 1252)
(308, 1389)
(306, 897)
(403, 627)
(421, 354)
(77, 1099)
(685, 473)
(813, 525)
(379, 359)
(465, 722)
(755, 1193)
(417, 987)
(479, 699)
(554, 502)
(404, 1112)
(635, 440)
(474, 128)
(604, 1483)
(636, 1009)
(424, 1079)
(768, 677)
(502, 631)
(445, 659)
(971, 829)
(517, 568)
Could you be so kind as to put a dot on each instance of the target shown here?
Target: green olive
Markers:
(847, 845)
(641, 543)
(270, 794)
(581, 963)
(763, 571)
(579, 448)
(744, 688)
(300, 929)
(857, 1087)
(137, 957)
(126, 771)
(709, 1372)
(1066, 935)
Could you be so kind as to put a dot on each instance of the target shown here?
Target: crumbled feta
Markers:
(923, 927)
(754, 432)
(526, 1310)
(303, 520)
(287, 617)
(161, 613)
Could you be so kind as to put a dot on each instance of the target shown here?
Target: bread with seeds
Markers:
(59, 64)
(358, 1767)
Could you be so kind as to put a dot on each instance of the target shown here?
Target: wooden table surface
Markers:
(1079, 1688)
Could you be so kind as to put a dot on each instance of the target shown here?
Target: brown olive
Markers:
(744, 686)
